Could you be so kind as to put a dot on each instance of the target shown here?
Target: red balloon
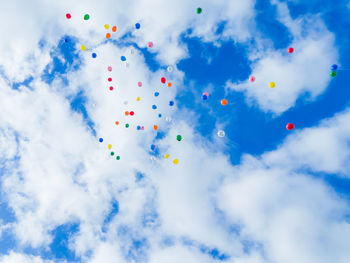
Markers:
(68, 15)
(109, 79)
(110, 88)
(163, 80)
(251, 78)
(290, 50)
(290, 126)
(131, 113)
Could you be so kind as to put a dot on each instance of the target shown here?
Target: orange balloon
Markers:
(108, 35)
(117, 123)
(223, 102)
(155, 127)
(114, 28)
(126, 113)
(169, 84)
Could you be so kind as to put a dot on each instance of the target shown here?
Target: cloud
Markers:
(22, 258)
(302, 73)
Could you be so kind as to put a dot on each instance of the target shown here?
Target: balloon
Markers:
(272, 84)
(138, 127)
(142, 128)
(155, 127)
(154, 107)
(205, 97)
(163, 80)
(108, 35)
(176, 161)
(179, 137)
(112, 153)
(169, 84)
(132, 113)
(251, 78)
(199, 10)
(334, 67)
(137, 25)
(169, 68)
(153, 147)
(290, 126)
(138, 98)
(171, 103)
(122, 58)
(109, 79)
(156, 94)
(139, 84)
(109, 68)
(223, 102)
(87, 17)
(117, 123)
(290, 50)
(150, 44)
(109, 146)
(100, 140)
(126, 113)
(94, 55)
(127, 125)
(206, 93)
(68, 15)
(160, 115)
(106, 26)
(114, 28)
(118, 157)
(166, 156)
(111, 88)
(83, 48)
(221, 133)
(333, 74)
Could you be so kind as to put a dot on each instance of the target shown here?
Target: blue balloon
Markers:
(334, 67)
(153, 147)
(100, 140)
(94, 55)
(154, 107)
(138, 127)
(171, 103)
(205, 97)
(160, 115)
(122, 58)
(137, 25)
(156, 94)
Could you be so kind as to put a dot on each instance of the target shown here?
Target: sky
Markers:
(82, 179)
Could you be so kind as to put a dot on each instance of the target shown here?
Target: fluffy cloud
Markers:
(305, 72)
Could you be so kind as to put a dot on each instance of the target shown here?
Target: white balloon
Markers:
(221, 133)
(170, 69)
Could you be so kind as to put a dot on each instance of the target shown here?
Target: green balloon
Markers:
(179, 138)
(199, 10)
(118, 157)
(127, 125)
(87, 17)
(112, 153)
(333, 73)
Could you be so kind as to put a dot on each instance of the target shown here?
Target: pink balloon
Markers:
(139, 84)
(251, 78)
(150, 44)
(142, 128)
(109, 68)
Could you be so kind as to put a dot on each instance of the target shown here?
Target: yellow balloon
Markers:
(109, 146)
(83, 48)
(272, 84)
(138, 98)
(106, 26)
(166, 156)
(176, 161)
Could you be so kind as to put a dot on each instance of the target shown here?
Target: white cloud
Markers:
(21, 258)
(304, 72)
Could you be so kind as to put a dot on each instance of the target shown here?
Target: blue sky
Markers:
(208, 66)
